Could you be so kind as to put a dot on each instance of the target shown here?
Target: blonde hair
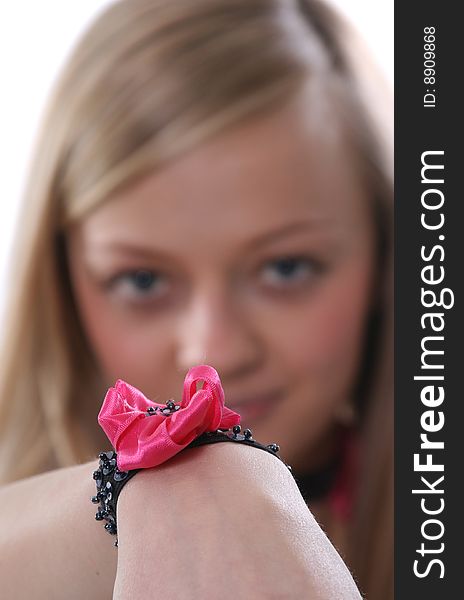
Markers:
(149, 80)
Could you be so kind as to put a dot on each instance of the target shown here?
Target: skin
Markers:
(214, 227)
(233, 518)
(56, 549)
(211, 232)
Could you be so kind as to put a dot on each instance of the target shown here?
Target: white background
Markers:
(35, 38)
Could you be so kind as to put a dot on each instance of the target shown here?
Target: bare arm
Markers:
(217, 521)
(51, 547)
(224, 521)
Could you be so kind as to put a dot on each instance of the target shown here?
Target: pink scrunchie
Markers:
(143, 441)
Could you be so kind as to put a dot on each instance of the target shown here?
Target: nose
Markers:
(215, 331)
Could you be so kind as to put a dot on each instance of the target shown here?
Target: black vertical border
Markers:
(418, 129)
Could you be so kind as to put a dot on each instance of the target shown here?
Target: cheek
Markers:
(322, 343)
(125, 346)
(317, 352)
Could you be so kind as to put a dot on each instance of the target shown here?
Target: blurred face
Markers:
(253, 253)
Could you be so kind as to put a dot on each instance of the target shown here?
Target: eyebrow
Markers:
(291, 228)
(254, 244)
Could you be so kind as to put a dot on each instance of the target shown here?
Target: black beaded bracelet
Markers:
(110, 480)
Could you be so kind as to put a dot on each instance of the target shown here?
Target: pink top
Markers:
(341, 496)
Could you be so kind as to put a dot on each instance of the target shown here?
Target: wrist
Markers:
(197, 520)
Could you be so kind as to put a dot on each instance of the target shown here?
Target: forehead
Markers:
(293, 164)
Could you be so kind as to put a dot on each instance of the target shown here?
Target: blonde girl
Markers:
(186, 130)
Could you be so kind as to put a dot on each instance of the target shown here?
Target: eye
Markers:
(139, 285)
(289, 271)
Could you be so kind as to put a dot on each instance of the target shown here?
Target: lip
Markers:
(255, 408)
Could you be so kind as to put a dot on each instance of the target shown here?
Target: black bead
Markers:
(98, 516)
(236, 429)
(170, 404)
(110, 528)
(107, 456)
(95, 500)
(120, 475)
(274, 447)
(151, 410)
(97, 474)
(248, 434)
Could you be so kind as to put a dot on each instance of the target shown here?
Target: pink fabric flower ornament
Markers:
(146, 434)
